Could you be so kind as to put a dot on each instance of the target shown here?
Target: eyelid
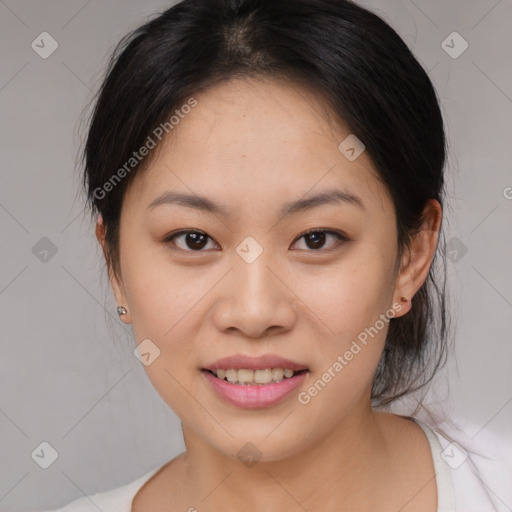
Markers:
(323, 230)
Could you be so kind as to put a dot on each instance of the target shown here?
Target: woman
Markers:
(267, 181)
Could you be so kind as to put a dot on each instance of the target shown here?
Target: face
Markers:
(241, 275)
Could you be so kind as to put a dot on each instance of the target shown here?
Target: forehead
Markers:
(254, 139)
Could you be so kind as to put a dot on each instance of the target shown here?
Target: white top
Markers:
(467, 481)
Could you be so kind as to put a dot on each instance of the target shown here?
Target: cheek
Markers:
(160, 294)
(347, 297)
(348, 302)
(164, 302)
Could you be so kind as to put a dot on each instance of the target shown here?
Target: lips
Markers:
(254, 382)
(238, 362)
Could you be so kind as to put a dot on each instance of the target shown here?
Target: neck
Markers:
(339, 468)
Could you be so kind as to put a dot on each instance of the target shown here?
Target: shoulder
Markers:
(476, 461)
(114, 500)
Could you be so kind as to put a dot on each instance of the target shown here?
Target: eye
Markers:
(316, 238)
(191, 241)
(196, 241)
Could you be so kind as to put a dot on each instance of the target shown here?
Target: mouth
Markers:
(255, 382)
(254, 377)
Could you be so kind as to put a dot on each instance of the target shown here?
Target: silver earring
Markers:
(121, 310)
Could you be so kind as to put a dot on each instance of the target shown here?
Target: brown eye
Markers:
(191, 241)
(317, 238)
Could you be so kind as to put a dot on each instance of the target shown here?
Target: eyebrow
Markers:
(331, 196)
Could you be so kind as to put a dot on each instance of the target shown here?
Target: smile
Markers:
(252, 389)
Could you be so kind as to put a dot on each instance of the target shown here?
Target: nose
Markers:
(255, 300)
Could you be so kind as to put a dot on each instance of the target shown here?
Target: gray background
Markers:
(68, 375)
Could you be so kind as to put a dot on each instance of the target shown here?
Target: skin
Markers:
(253, 145)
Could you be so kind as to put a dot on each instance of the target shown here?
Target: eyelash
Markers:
(340, 237)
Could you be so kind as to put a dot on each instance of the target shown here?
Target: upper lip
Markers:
(239, 361)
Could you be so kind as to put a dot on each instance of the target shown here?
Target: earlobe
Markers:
(405, 306)
(118, 290)
(419, 256)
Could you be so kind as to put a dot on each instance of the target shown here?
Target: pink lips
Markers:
(254, 396)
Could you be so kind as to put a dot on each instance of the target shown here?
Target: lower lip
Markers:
(255, 396)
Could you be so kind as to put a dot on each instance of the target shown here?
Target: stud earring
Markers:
(121, 310)
(404, 299)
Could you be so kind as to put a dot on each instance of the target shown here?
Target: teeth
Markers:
(232, 376)
(245, 376)
(277, 374)
(263, 376)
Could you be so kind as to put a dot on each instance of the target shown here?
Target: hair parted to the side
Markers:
(354, 60)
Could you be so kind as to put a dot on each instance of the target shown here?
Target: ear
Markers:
(417, 260)
(117, 286)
